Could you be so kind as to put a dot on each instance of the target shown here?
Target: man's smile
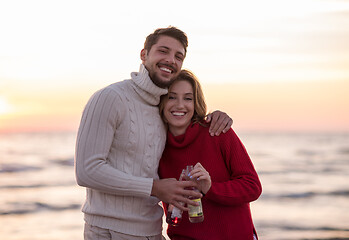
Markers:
(166, 68)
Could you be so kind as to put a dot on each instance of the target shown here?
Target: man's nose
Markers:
(171, 59)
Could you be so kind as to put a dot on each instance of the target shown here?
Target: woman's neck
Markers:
(176, 131)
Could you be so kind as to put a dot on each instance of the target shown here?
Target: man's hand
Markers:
(220, 122)
(171, 191)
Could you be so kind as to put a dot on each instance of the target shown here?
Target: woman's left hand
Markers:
(202, 176)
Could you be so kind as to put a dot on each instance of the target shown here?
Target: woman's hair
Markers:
(199, 99)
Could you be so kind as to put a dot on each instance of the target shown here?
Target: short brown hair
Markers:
(200, 107)
(169, 31)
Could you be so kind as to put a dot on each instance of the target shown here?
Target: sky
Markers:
(273, 65)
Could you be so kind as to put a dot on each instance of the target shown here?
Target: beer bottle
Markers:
(195, 213)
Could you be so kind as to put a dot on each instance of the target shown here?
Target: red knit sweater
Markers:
(235, 183)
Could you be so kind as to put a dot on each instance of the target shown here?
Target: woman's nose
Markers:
(180, 103)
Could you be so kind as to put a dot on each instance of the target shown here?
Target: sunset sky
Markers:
(273, 65)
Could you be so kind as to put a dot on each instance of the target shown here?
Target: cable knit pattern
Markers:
(119, 143)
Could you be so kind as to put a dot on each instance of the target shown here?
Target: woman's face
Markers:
(179, 107)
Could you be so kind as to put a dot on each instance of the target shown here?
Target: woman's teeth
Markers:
(178, 113)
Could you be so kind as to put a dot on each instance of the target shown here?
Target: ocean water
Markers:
(305, 180)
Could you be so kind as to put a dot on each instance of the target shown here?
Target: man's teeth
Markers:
(166, 69)
(178, 113)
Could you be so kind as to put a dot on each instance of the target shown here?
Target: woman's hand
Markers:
(202, 176)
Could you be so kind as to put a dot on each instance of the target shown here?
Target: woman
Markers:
(225, 173)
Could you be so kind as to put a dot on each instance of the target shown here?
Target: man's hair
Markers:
(169, 31)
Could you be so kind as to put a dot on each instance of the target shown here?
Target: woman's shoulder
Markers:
(204, 127)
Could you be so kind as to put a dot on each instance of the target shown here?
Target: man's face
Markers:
(164, 60)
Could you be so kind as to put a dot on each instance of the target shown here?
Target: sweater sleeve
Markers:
(244, 185)
(100, 118)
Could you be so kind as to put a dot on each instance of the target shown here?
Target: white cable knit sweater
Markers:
(119, 144)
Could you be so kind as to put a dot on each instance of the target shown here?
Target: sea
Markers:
(305, 179)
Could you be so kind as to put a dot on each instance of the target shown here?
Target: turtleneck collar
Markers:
(185, 139)
(145, 87)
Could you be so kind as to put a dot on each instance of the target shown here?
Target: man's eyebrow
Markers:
(164, 47)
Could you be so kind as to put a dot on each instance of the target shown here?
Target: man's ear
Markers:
(143, 54)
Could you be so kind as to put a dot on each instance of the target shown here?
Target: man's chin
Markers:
(161, 83)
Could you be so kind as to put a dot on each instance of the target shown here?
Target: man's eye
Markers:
(179, 58)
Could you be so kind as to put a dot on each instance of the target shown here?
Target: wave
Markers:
(307, 152)
(34, 207)
(12, 168)
(300, 228)
(335, 238)
(72, 183)
(338, 233)
(303, 195)
(344, 151)
(64, 162)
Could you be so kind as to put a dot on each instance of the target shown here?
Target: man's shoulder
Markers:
(115, 91)
(116, 95)
(119, 86)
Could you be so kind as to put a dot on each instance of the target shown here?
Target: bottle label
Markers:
(195, 211)
(176, 213)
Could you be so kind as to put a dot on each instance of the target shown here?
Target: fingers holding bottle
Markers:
(202, 176)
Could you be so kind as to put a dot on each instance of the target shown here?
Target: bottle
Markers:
(195, 213)
(174, 215)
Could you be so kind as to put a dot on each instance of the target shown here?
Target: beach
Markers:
(304, 176)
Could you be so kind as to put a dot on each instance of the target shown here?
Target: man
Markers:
(119, 144)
